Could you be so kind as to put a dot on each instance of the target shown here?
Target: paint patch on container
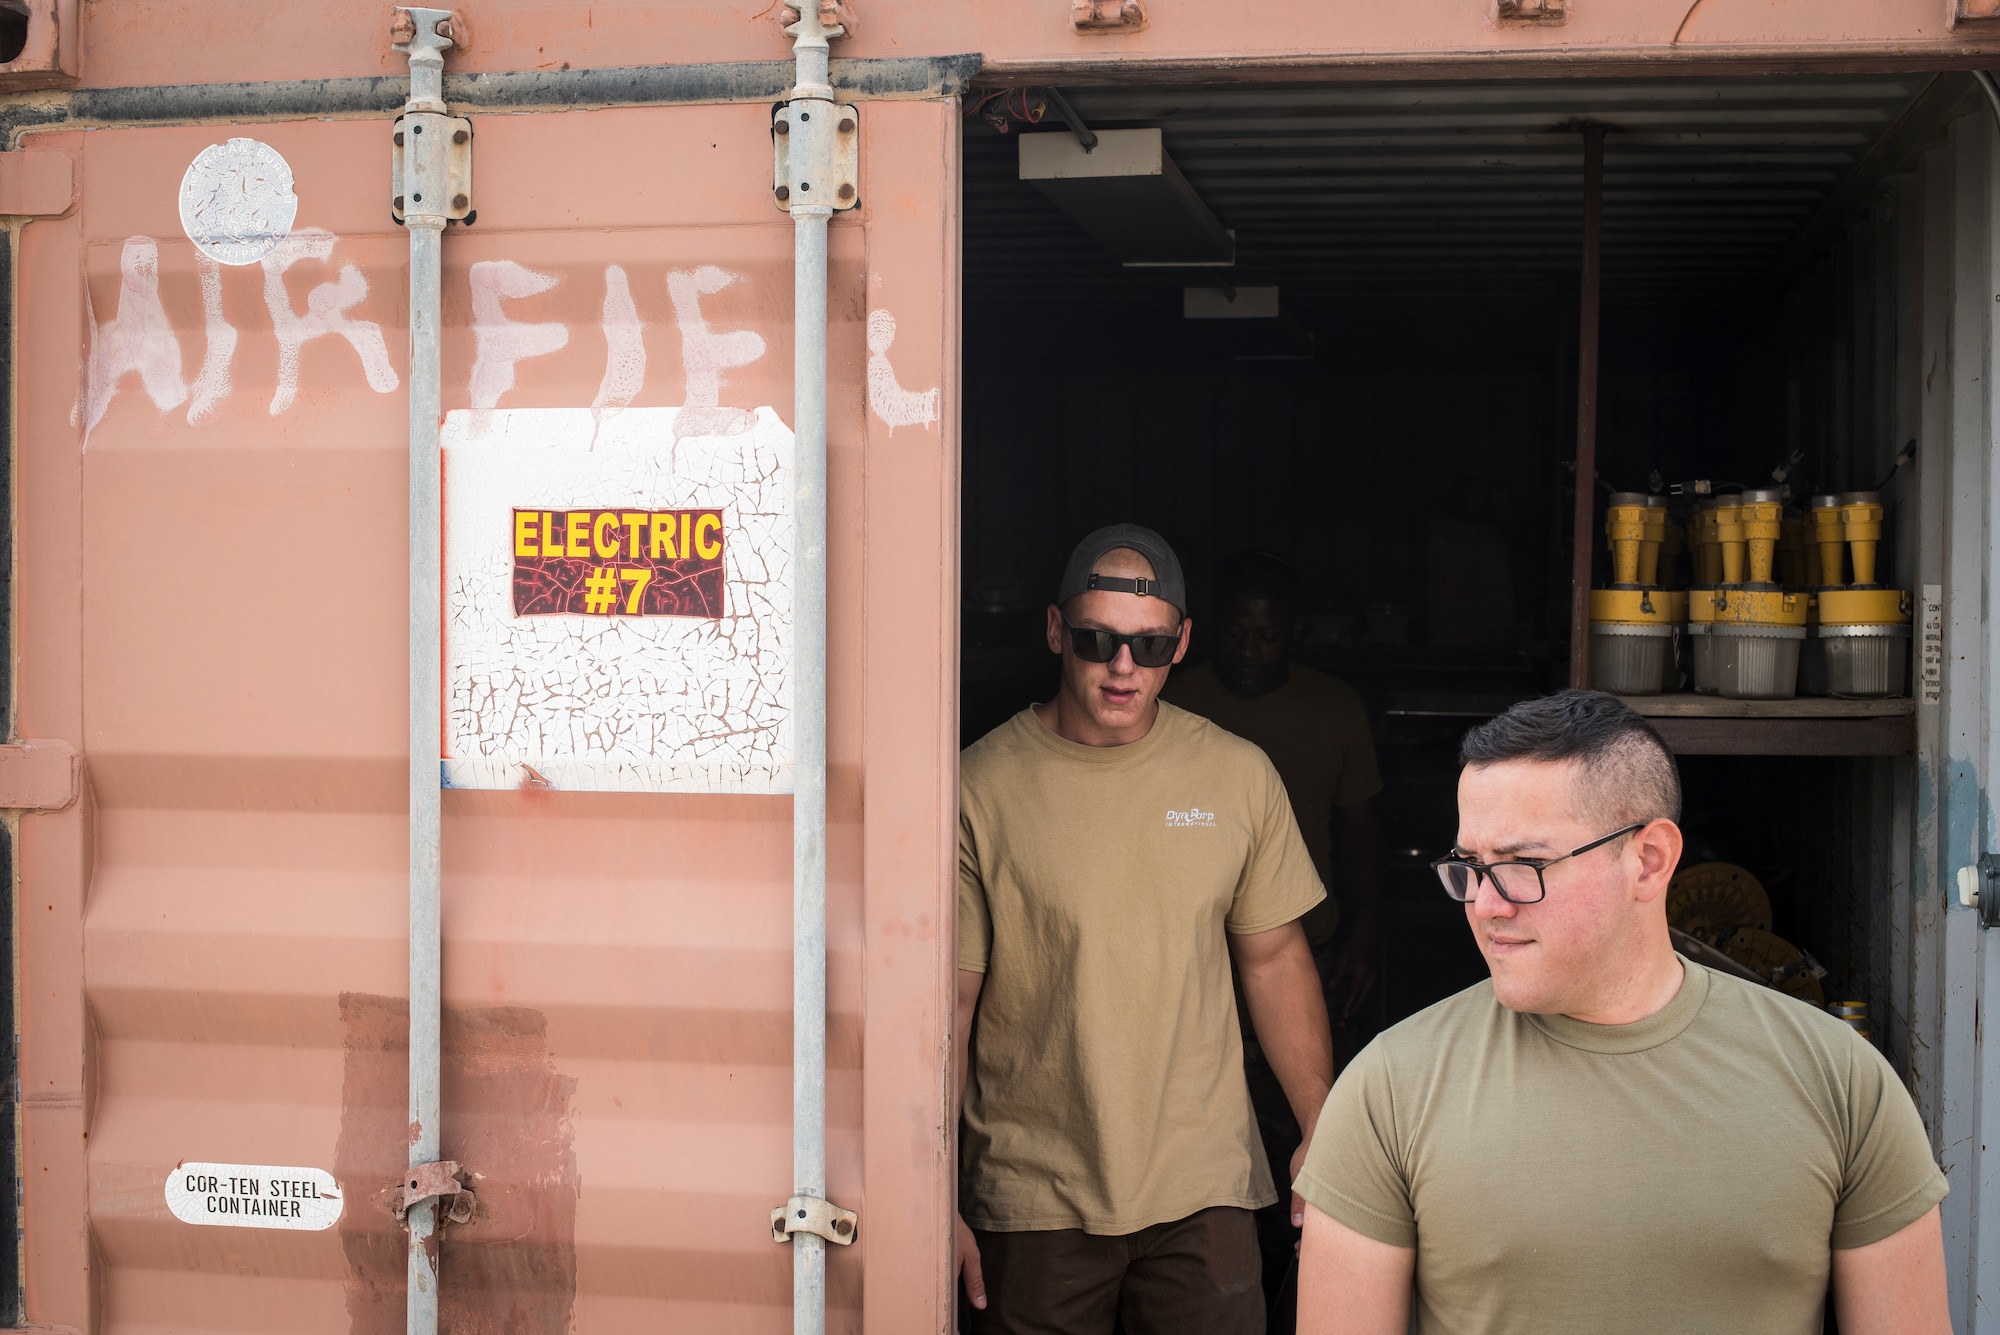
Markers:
(507, 1120)
(586, 690)
(237, 201)
(241, 1195)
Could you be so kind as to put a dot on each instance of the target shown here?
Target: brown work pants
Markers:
(1195, 1276)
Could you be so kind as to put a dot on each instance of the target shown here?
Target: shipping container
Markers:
(217, 333)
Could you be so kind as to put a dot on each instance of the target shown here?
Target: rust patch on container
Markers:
(506, 1118)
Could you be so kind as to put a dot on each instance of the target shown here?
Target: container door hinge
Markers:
(1979, 889)
(1531, 11)
(1091, 17)
(39, 775)
(445, 1181)
(817, 158)
(430, 170)
(36, 183)
(810, 1214)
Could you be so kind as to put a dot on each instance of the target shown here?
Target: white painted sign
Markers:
(239, 1195)
(237, 201)
(1930, 650)
(618, 599)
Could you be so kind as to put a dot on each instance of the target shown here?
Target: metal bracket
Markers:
(442, 1180)
(1979, 889)
(37, 182)
(817, 154)
(810, 1214)
(432, 188)
(1102, 16)
(1532, 11)
(39, 775)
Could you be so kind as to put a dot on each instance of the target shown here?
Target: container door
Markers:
(211, 552)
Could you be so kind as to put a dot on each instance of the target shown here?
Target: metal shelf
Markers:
(1706, 725)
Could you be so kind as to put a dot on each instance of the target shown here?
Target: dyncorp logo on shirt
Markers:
(1192, 818)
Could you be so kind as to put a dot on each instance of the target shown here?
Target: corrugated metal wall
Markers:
(213, 939)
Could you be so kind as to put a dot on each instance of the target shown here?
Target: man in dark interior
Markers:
(1315, 731)
(1116, 857)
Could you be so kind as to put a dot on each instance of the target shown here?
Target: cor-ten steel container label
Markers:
(240, 1195)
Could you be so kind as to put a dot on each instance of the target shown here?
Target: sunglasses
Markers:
(1101, 646)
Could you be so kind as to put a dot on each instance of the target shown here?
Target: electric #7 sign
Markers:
(653, 563)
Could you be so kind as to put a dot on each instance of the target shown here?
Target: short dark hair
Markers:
(1247, 575)
(1632, 773)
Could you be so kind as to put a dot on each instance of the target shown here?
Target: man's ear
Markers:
(1187, 630)
(1658, 848)
(1055, 629)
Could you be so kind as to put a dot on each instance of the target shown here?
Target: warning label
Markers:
(642, 563)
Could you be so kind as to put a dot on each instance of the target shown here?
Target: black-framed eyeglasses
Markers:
(1101, 646)
(1519, 881)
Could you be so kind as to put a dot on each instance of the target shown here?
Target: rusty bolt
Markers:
(782, 127)
(842, 1227)
(784, 193)
(444, 30)
(846, 192)
(403, 28)
(847, 125)
(399, 209)
(399, 139)
(459, 136)
(459, 201)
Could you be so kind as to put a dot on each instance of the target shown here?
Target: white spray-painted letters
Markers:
(705, 355)
(212, 385)
(499, 342)
(624, 346)
(892, 403)
(326, 313)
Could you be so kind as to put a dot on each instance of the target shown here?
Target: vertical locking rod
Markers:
(424, 34)
(810, 132)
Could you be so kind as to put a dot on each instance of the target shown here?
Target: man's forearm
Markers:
(969, 986)
(1288, 1011)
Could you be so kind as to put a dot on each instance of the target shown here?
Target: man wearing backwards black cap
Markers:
(1114, 854)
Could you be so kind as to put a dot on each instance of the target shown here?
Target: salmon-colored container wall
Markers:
(213, 514)
(210, 610)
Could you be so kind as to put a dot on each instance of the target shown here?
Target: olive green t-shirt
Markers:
(1690, 1172)
(1096, 886)
(1315, 730)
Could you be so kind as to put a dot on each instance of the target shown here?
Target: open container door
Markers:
(211, 544)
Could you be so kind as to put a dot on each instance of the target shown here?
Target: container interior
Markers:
(1402, 430)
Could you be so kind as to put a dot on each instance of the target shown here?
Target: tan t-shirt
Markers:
(1690, 1172)
(1315, 731)
(1095, 885)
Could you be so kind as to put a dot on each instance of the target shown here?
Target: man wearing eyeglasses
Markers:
(1605, 1137)
(1115, 853)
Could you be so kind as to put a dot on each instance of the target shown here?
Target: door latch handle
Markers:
(1979, 889)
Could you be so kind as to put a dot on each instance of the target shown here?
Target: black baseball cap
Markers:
(1167, 584)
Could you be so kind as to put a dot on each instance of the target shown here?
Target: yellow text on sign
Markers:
(604, 534)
